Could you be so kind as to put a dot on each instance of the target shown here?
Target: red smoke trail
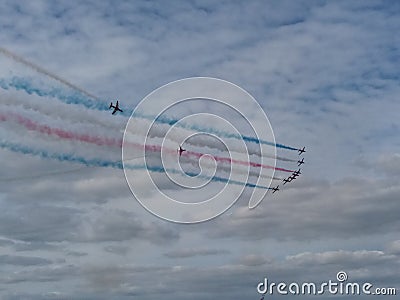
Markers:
(235, 161)
(104, 141)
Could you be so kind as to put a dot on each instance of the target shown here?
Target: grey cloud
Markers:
(76, 253)
(236, 280)
(42, 274)
(253, 260)
(5, 243)
(351, 259)
(118, 225)
(316, 210)
(38, 225)
(117, 249)
(228, 280)
(32, 246)
(388, 164)
(325, 72)
(184, 253)
(23, 260)
(394, 247)
(37, 222)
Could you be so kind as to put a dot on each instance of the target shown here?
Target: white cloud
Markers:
(327, 76)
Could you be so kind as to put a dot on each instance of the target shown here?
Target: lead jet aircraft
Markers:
(116, 108)
(301, 150)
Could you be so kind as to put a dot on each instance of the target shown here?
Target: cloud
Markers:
(316, 210)
(326, 74)
(184, 253)
(351, 259)
(387, 164)
(394, 247)
(119, 225)
(253, 260)
(117, 249)
(235, 280)
(23, 260)
(36, 223)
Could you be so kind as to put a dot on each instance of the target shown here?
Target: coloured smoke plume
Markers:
(38, 69)
(195, 144)
(199, 198)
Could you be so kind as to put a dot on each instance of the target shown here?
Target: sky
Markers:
(326, 74)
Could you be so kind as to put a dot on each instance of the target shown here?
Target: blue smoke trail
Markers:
(25, 85)
(61, 156)
(79, 99)
(214, 178)
(113, 164)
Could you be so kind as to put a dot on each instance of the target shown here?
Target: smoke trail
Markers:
(38, 69)
(23, 84)
(104, 141)
(172, 121)
(192, 174)
(162, 130)
(77, 116)
(61, 133)
(41, 175)
(99, 105)
(114, 164)
(228, 169)
(235, 161)
(60, 157)
(61, 111)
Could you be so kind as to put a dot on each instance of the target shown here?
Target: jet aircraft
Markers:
(300, 162)
(275, 189)
(301, 150)
(116, 107)
(180, 150)
(296, 173)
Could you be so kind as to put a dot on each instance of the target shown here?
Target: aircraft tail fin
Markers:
(111, 105)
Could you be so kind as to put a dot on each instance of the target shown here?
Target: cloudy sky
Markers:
(325, 72)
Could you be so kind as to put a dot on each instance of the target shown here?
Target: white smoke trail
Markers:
(38, 69)
(77, 115)
(159, 131)
(42, 175)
